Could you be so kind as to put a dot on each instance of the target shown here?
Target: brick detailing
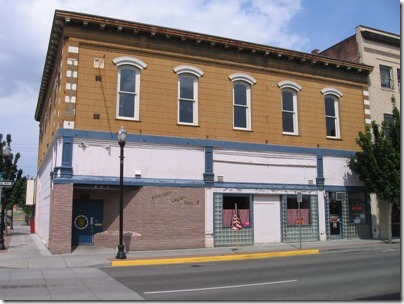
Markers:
(366, 107)
(60, 222)
(71, 87)
(155, 218)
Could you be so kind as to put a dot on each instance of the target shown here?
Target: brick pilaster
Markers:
(60, 221)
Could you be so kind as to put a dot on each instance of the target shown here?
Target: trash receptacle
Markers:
(32, 225)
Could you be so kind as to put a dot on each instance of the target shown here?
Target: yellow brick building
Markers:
(215, 126)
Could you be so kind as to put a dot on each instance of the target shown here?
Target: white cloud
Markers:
(26, 28)
(260, 21)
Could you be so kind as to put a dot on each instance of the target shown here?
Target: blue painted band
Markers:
(195, 142)
(112, 182)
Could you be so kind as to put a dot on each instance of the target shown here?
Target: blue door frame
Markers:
(88, 216)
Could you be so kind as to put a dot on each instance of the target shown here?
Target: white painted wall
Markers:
(97, 158)
(43, 193)
(337, 172)
(264, 167)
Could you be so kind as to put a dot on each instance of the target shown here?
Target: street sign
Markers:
(6, 183)
(299, 197)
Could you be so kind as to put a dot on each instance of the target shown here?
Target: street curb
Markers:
(206, 259)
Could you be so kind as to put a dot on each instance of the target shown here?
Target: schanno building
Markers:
(214, 125)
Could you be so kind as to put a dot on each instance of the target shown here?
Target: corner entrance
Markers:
(87, 221)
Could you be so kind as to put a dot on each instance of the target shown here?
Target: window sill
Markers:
(388, 89)
(290, 134)
(127, 119)
(187, 125)
(243, 130)
(334, 138)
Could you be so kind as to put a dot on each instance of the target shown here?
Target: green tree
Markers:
(378, 164)
(9, 170)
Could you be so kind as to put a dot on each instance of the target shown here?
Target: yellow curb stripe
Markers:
(205, 259)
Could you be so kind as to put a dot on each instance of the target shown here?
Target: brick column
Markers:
(60, 221)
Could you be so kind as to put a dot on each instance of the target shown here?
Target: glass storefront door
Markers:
(335, 219)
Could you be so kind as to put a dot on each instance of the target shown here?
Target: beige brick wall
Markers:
(376, 54)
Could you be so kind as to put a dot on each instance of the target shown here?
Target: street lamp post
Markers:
(6, 153)
(121, 140)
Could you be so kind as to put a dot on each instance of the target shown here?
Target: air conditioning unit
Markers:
(340, 196)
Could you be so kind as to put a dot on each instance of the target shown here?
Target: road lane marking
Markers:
(205, 259)
(219, 287)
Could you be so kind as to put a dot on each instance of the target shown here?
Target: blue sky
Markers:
(327, 22)
(301, 25)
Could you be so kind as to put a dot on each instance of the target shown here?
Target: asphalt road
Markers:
(354, 275)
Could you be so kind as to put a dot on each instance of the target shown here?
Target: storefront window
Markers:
(293, 215)
(233, 204)
(357, 208)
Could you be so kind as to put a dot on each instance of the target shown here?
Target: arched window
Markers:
(188, 79)
(242, 100)
(128, 87)
(331, 99)
(289, 106)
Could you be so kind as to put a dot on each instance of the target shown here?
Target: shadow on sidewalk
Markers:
(6, 241)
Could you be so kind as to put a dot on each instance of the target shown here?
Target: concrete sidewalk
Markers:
(26, 250)
(29, 272)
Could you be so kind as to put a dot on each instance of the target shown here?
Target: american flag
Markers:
(236, 223)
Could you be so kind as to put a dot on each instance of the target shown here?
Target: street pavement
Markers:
(28, 271)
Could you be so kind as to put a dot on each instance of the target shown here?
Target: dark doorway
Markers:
(335, 219)
(395, 220)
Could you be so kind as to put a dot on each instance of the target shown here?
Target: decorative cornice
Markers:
(61, 18)
(378, 37)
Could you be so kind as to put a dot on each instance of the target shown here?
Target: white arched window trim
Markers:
(247, 81)
(331, 91)
(293, 88)
(127, 60)
(293, 112)
(188, 69)
(335, 95)
(290, 85)
(242, 77)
